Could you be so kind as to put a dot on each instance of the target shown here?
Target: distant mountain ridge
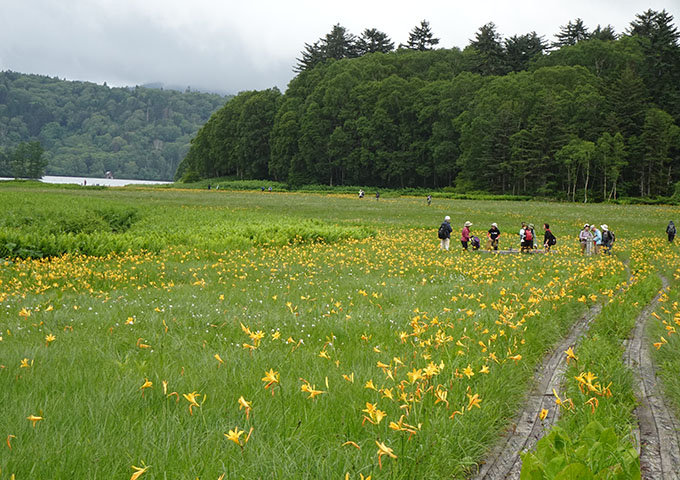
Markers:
(188, 88)
(88, 129)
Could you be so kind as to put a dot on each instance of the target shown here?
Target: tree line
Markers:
(88, 129)
(591, 116)
(27, 160)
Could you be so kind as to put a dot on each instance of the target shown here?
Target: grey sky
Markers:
(232, 46)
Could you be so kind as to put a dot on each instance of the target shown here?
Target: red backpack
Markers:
(528, 236)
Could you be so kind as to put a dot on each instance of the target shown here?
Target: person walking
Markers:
(548, 238)
(494, 234)
(429, 200)
(444, 233)
(608, 239)
(670, 231)
(522, 231)
(527, 238)
(597, 239)
(586, 240)
(533, 236)
(465, 235)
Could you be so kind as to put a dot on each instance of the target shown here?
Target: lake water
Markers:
(105, 182)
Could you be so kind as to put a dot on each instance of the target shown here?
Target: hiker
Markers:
(429, 200)
(493, 235)
(475, 242)
(548, 238)
(444, 233)
(465, 235)
(670, 231)
(526, 236)
(608, 239)
(597, 239)
(586, 239)
(533, 236)
(377, 196)
(361, 194)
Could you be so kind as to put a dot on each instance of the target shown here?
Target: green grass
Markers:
(368, 271)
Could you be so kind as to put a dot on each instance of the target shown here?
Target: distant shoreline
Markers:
(92, 182)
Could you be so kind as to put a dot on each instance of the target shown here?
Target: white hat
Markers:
(447, 218)
(494, 225)
(604, 227)
(586, 225)
(468, 224)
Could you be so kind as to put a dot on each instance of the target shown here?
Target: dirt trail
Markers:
(658, 428)
(504, 461)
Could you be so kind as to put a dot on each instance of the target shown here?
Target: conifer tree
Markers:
(421, 38)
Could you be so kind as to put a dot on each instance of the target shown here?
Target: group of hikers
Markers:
(593, 240)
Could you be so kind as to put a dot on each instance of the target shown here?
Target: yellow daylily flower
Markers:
(34, 418)
(384, 450)
(242, 403)
(473, 401)
(139, 471)
(147, 384)
(191, 398)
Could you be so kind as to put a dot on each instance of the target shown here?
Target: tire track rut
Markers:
(504, 462)
(658, 432)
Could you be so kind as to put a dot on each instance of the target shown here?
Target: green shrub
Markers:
(597, 453)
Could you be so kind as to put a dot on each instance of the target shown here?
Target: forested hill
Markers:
(87, 129)
(592, 116)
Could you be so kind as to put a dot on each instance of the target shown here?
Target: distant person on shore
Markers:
(84, 183)
(586, 240)
(361, 194)
(608, 239)
(465, 235)
(429, 200)
(549, 239)
(494, 234)
(444, 233)
(671, 231)
(208, 186)
(270, 188)
(377, 196)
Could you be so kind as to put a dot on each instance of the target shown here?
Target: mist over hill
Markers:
(88, 129)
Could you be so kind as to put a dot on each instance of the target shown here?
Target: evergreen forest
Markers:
(87, 129)
(592, 115)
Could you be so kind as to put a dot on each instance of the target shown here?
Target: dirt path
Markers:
(658, 428)
(504, 461)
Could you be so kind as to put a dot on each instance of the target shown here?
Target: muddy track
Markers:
(504, 461)
(658, 432)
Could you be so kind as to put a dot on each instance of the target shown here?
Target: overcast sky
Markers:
(231, 46)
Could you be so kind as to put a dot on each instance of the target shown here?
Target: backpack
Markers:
(528, 236)
(443, 231)
(552, 240)
(671, 229)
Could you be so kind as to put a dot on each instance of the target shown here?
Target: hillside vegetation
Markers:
(592, 117)
(88, 129)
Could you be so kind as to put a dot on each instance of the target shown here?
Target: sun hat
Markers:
(447, 218)
(531, 225)
(468, 224)
(494, 225)
(604, 227)
(586, 225)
